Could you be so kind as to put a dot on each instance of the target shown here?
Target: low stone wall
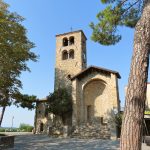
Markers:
(92, 131)
(6, 141)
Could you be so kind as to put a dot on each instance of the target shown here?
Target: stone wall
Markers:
(6, 142)
(100, 91)
(92, 131)
(104, 100)
(70, 66)
(43, 119)
(95, 95)
(51, 124)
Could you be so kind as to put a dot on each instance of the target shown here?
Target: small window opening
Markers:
(69, 76)
(65, 42)
(64, 55)
(39, 112)
(71, 40)
(71, 54)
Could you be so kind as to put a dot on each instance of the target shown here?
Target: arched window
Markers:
(71, 40)
(64, 55)
(71, 54)
(65, 41)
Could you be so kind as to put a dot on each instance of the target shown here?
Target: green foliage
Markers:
(117, 13)
(14, 53)
(118, 119)
(25, 101)
(107, 1)
(8, 130)
(25, 127)
(2, 129)
(60, 102)
(3, 6)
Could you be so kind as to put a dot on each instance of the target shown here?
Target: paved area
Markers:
(43, 142)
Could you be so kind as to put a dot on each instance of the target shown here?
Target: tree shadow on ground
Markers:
(43, 142)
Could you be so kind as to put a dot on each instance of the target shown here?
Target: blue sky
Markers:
(45, 19)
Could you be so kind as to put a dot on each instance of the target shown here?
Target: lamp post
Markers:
(12, 122)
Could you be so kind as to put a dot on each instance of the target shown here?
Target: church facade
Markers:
(94, 90)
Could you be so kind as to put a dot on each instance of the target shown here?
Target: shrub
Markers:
(8, 129)
(25, 127)
(118, 119)
(2, 129)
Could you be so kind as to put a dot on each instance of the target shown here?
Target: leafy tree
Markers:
(135, 13)
(60, 103)
(14, 53)
(3, 6)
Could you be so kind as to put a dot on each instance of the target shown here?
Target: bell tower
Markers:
(70, 57)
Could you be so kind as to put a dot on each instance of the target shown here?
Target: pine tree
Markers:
(134, 14)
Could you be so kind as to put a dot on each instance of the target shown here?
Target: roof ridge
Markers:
(99, 68)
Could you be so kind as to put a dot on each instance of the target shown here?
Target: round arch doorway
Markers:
(94, 95)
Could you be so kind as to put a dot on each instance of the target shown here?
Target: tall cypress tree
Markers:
(134, 14)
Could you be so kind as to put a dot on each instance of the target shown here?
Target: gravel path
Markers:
(43, 142)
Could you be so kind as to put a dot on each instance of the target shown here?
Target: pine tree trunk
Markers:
(2, 115)
(131, 134)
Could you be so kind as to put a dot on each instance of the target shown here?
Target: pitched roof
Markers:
(97, 69)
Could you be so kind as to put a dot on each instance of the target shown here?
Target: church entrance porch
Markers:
(95, 95)
(94, 100)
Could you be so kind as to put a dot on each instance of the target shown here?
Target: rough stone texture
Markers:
(98, 90)
(42, 117)
(6, 142)
(91, 131)
(95, 95)
(63, 68)
(52, 125)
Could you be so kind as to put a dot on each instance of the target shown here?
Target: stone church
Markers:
(94, 90)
